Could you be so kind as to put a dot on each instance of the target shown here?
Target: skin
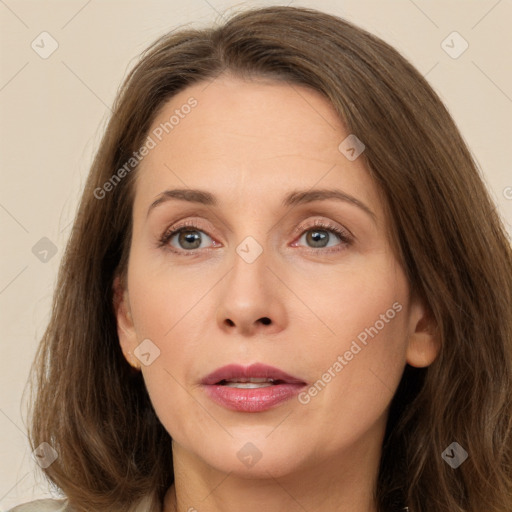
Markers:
(250, 144)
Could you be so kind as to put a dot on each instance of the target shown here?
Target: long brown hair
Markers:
(95, 411)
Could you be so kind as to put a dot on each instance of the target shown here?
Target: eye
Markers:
(188, 238)
(318, 238)
(324, 236)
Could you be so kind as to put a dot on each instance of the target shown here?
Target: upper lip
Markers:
(257, 370)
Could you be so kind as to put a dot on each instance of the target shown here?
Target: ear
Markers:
(424, 343)
(125, 327)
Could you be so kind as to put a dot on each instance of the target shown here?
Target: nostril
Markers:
(229, 322)
(265, 320)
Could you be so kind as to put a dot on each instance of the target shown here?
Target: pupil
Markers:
(190, 237)
(318, 238)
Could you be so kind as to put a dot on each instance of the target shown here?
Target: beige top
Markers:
(49, 505)
(61, 506)
(41, 506)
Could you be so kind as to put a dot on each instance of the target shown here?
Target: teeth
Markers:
(256, 380)
(249, 385)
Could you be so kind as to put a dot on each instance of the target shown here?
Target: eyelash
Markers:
(345, 237)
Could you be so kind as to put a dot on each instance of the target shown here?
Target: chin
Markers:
(252, 452)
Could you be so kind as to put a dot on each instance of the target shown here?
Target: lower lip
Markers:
(252, 400)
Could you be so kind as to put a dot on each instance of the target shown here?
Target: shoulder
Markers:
(42, 506)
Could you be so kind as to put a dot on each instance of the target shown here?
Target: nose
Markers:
(251, 299)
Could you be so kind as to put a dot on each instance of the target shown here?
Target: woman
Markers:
(338, 338)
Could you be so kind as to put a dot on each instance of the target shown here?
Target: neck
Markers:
(345, 483)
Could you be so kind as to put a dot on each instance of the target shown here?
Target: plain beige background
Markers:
(54, 109)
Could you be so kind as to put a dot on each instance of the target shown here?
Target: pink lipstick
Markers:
(254, 388)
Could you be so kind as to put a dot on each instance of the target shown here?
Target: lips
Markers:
(258, 371)
(253, 388)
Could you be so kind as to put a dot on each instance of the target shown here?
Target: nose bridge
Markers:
(252, 249)
(248, 280)
(248, 300)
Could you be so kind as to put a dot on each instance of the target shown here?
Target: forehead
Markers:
(251, 139)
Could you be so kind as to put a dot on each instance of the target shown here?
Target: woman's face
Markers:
(283, 260)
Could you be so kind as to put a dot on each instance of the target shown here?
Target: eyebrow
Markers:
(190, 195)
(308, 196)
(294, 198)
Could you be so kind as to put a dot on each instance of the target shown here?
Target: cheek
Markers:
(363, 303)
(165, 314)
(354, 376)
(168, 307)
(164, 299)
(358, 353)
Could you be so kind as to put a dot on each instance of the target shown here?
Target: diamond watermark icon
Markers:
(249, 454)
(351, 147)
(44, 250)
(45, 455)
(249, 249)
(454, 455)
(147, 352)
(44, 45)
(454, 45)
